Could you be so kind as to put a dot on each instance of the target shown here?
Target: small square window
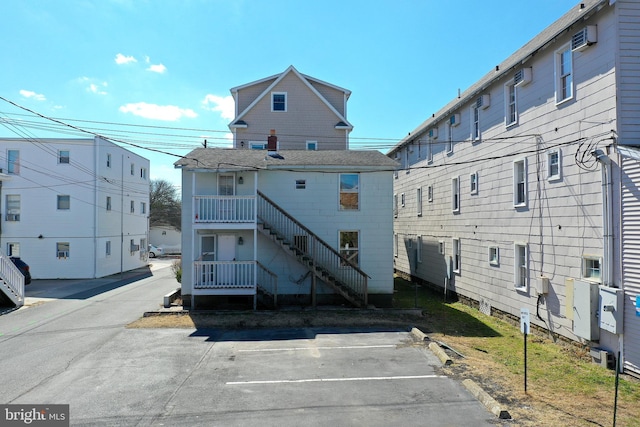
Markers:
(591, 268)
(64, 202)
(301, 184)
(63, 157)
(312, 145)
(494, 255)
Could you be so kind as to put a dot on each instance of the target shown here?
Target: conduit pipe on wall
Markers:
(607, 219)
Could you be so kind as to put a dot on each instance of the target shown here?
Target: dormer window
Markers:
(279, 101)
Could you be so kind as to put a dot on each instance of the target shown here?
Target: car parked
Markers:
(155, 251)
(23, 267)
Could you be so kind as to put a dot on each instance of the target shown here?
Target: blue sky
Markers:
(157, 74)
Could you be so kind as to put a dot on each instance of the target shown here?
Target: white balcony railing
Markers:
(227, 209)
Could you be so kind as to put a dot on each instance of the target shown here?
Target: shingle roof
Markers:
(233, 159)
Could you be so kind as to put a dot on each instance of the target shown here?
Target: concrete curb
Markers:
(442, 355)
(489, 402)
(421, 336)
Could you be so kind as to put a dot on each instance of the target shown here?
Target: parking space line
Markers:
(348, 347)
(322, 380)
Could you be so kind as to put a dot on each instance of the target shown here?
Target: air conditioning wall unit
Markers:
(483, 101)
(454, 120)
(584, 38)
(433, 133)
(523, 77)
(13, 217)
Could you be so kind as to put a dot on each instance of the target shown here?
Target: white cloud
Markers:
(93, 85)
(224, 105)
(121, 59)
(159, 68)
(169, 113)
(32, 95)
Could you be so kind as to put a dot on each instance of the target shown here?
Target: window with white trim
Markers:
(455, 194)
(494, 255)
(520, 183)
(473, 183)
(143, 173)
(521, 266)
(108, 203)
(133, 206)
(395, 245)
(143, 208)
(257, 145)
(511, 104)
(133, 169)
(278, 101)
(430, 150)
(430, 193)
(591, 268)
(13, 162)
(62, 250)
(395, 205)
(554, 164)
(455, 242)
(450, 139)
(349, 191)
(419, 200)
(564, 74)
(441, 247)
(475, 124)
(402, 200)
(419, 248)
(13, 207)
(107, 248)
(312, 145)
(108, 160)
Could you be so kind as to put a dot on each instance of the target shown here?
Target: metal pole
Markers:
(615, 404)
(525, 361)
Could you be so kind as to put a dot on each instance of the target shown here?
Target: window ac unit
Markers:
(433, 133)
(522, 77)
(135, 248)
(483, 101)
(13, 217)
(454, 120)
(584, 38)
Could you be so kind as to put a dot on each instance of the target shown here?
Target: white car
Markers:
(155, 251)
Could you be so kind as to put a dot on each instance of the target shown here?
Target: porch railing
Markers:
(12, 281)
(241, 276)
(229, 209)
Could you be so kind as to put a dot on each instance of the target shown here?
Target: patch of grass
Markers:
(564, 388)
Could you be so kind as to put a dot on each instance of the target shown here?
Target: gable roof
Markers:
(229, 159)
(578, 13)
(277, 79)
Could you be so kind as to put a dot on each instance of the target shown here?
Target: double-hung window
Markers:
(455, 242)
(13, 162)
(521, 266)
(473, 183)
(511, 105)
(554, 164)
(564, 74)
(349, 248)
(591, 268)
(108, 203)
(419, 200)
(279, 101)
(475, 124)
(349, 191)
(13, 207)
(520, 183)
(455, 194)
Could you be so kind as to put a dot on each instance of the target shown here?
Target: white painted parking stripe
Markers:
(316, 348)
(322, 380)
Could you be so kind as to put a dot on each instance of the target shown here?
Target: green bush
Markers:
(176, 267)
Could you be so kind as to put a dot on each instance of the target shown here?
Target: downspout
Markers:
(607, 218)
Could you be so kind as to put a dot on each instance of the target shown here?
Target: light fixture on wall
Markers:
(240, 241)
(241, 180)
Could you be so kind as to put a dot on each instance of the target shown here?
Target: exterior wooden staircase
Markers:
(11, 281)
(323, 261)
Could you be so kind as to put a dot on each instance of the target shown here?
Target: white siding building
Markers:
(520, 194)
(74, 208)
(297, 227)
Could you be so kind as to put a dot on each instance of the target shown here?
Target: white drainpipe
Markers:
(607, 219)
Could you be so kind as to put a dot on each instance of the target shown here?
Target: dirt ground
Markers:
(536, 408)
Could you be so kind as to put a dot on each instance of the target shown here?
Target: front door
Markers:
(226, 187)
(208, 253)
(226, 252)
